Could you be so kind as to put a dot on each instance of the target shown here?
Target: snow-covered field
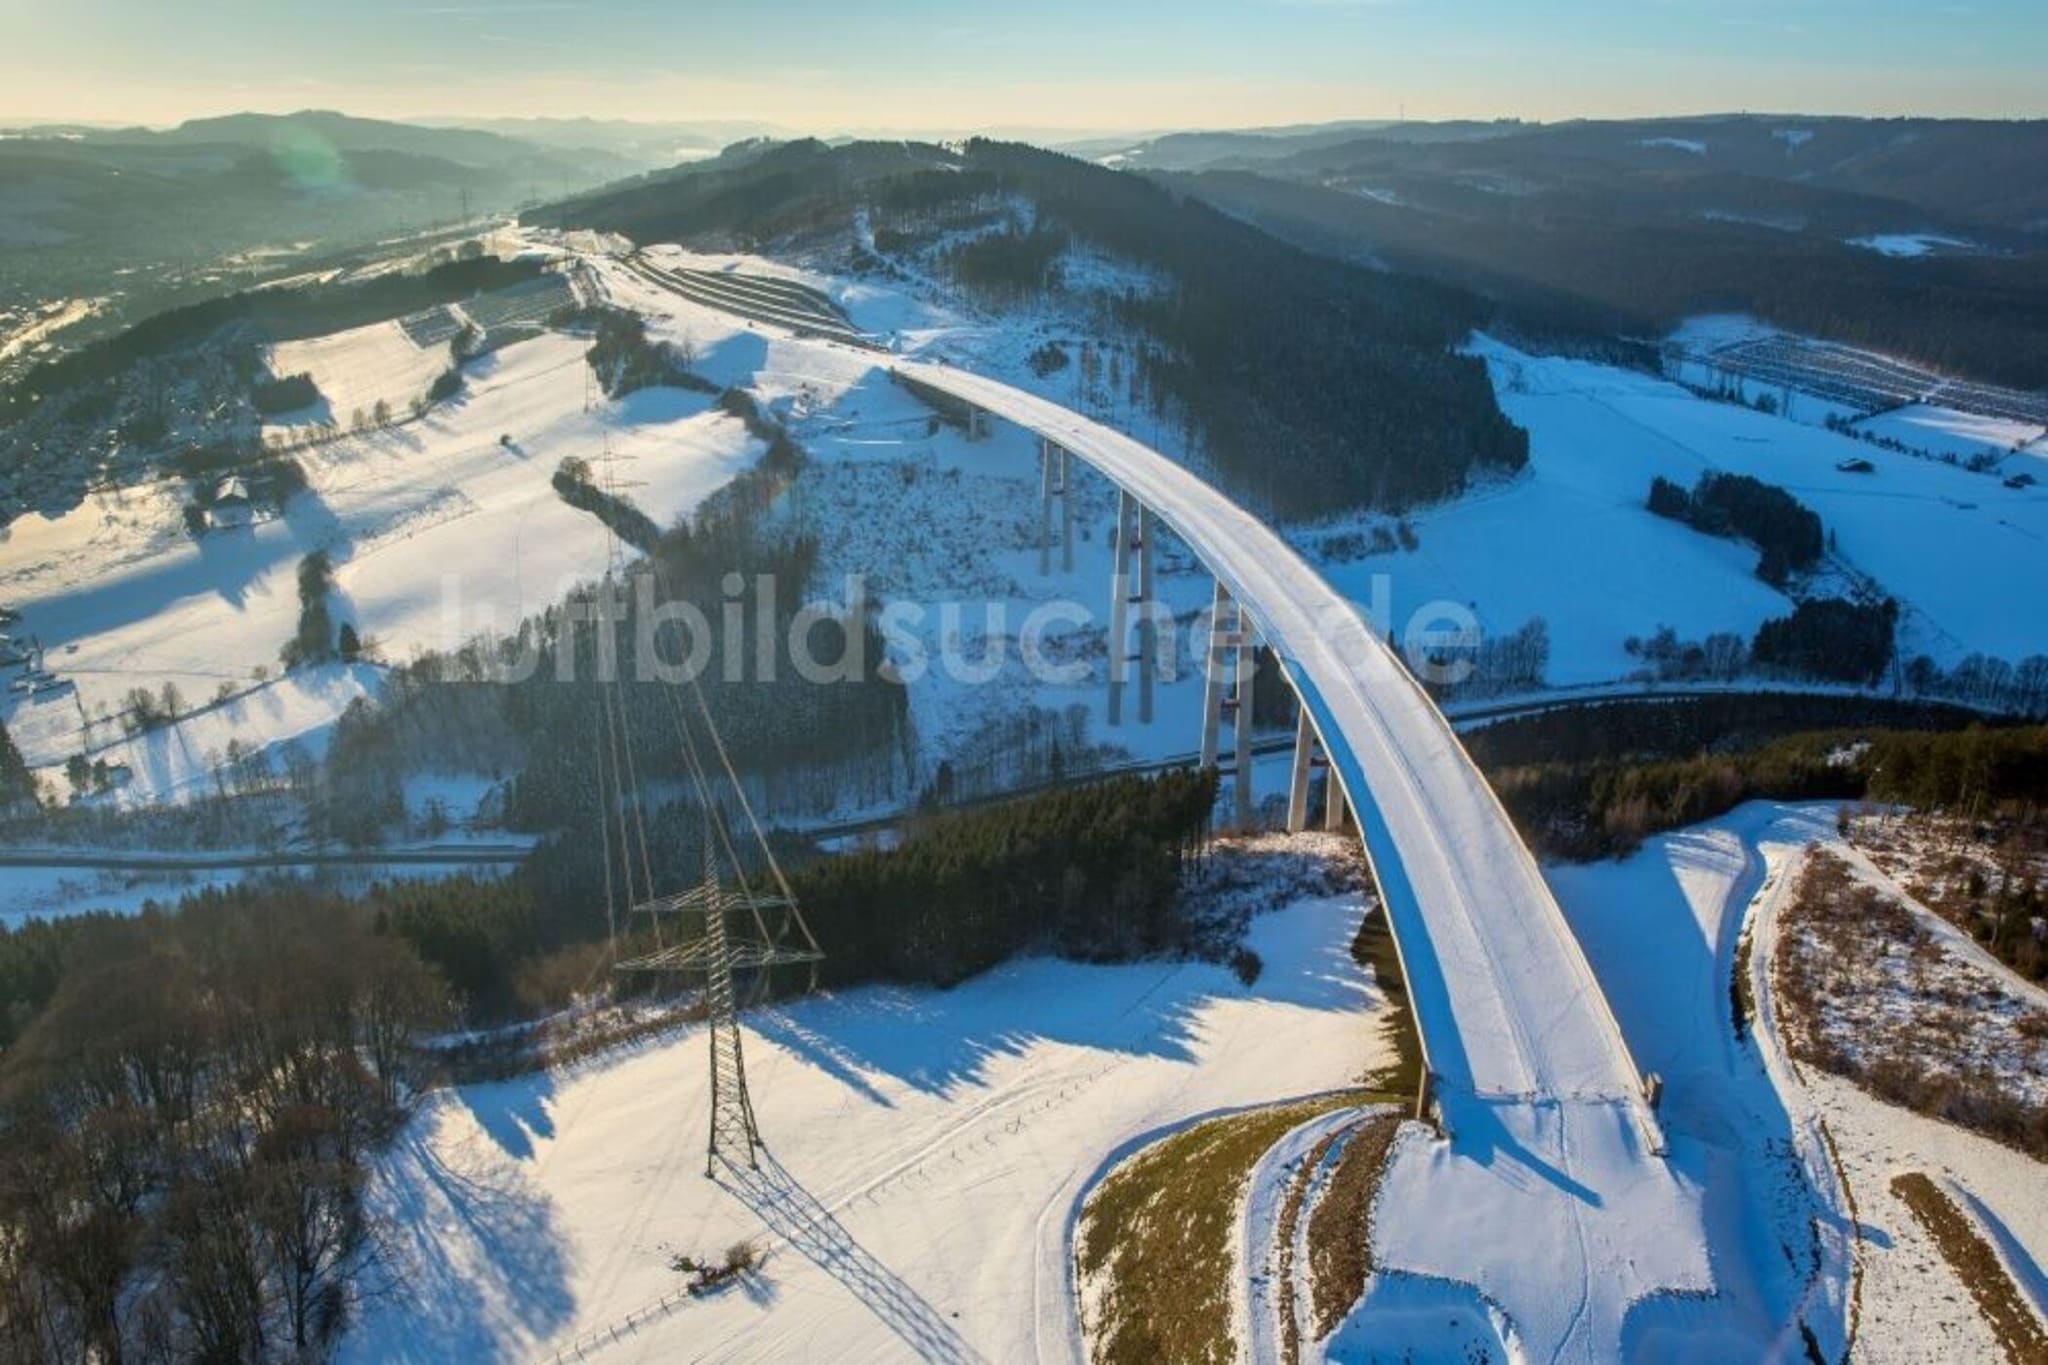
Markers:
(439, 529)
(1569, 539)
(930, 1150)
(357, 369)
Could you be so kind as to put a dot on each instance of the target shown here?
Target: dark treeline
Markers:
(1604, 806)
(286, 394)
(1312, 384)
(273, 314)
(1656, 728)
(1089, 871)
(1013, 266)
(17, 783)
(313, 640)
(186, 1116)
(1787, 532)
(626, 360)
(1830, 637)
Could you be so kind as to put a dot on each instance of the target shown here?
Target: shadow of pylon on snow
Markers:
(795, 1215)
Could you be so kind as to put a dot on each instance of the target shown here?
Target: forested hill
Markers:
(1607, 230)
(1310, 385)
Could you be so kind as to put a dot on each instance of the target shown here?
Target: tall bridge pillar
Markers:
(1148, 627)
(1241, 700)
(1044, 506)
(1119, 607)
(1063, 489)
(1212, 674)
(1304, 762)
(1052, 487)
(1230, 632)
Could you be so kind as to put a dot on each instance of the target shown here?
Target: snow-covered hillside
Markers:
(446, 526)
(1570, 540)
(1795, 1164)
(439, 529)
(929, 1153)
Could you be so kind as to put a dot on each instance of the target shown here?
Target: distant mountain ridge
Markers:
(82, 208)
(1984, 171)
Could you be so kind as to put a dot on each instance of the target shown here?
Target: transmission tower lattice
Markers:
(722, 926)
(735, 930)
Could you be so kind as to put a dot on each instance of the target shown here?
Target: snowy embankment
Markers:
(1273, 1273)
(930, 1149)
(1794, 1165)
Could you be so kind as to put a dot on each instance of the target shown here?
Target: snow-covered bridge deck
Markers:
(1550, 1199)
(1503, 996)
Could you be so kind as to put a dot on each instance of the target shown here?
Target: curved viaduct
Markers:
(1552, 1210)
(1505, 1002)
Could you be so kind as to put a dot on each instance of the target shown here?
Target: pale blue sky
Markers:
(1074, 64)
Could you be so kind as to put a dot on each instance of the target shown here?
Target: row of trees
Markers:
(1593, 782)
(572, 479)
(1985, 680)
(625, 359)
(1498, 664)
(314, 640)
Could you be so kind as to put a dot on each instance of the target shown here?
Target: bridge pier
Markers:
(1053, 487)
(1063, 489)
(1148, 628)
(1333, 801)
(1240, 707)
(1230, 635)
(1212, 675)
(1130, 585)
(1044, 507)
(1305, 748)
(1119, 607)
